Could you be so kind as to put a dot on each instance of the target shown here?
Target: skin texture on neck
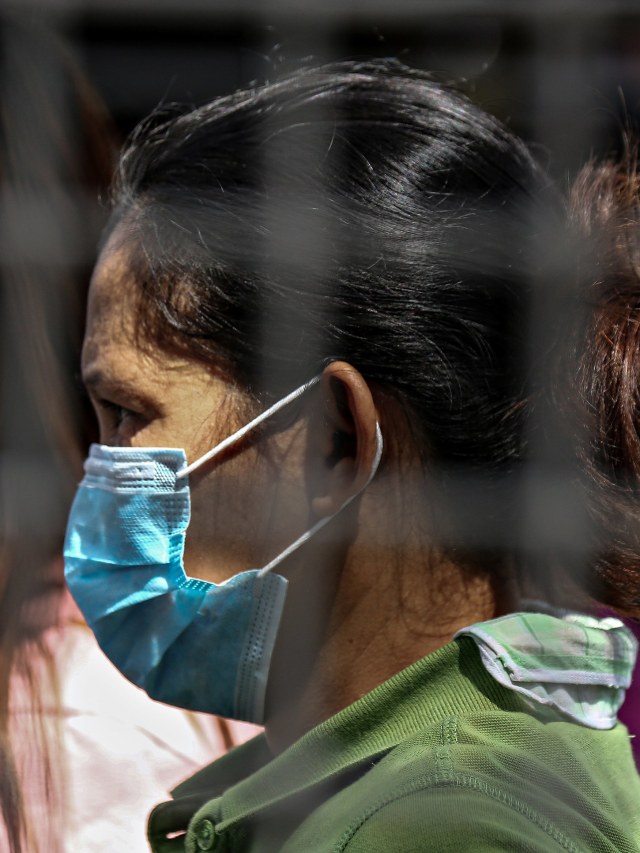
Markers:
(368, 642)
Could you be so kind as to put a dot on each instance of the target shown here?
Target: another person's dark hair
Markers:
(368, 213)
(604, 208)
(57, 153)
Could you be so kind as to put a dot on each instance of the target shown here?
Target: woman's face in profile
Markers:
(245, 505)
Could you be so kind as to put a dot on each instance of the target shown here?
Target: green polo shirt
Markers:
(442, 757)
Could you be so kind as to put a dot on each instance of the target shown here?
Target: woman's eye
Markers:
(117, 413)
(114, 418)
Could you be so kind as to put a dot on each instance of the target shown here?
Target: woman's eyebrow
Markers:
(100, 384)
(97, 380)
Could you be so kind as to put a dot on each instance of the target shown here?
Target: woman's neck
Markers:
(390, 607)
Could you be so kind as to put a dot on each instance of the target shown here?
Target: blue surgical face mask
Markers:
(187, 642)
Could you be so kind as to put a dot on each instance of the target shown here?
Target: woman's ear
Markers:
(349, 442)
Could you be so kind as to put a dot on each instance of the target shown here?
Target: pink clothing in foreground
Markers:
(116, 752)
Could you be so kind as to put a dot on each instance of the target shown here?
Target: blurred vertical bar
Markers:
(296, 242)
(39, 244)
(555, 521)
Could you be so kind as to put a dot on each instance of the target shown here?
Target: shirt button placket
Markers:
(205, 833)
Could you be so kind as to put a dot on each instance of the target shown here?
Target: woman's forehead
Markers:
(113, 297)
(118, 352)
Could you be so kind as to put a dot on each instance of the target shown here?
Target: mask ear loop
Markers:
(236, 436)
(232, 439)
(326, 519)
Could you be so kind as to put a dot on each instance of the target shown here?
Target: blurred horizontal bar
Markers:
(351, 10)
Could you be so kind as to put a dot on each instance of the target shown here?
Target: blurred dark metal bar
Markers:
(338, 9)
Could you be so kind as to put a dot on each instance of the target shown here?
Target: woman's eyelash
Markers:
(115, 409)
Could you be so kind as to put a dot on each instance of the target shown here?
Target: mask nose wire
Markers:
(236, 436)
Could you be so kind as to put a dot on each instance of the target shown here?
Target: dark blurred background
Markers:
(564, 74)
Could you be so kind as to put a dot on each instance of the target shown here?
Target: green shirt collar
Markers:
(561, 662)
(485, 668)
(449, 681)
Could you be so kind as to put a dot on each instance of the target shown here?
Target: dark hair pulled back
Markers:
(359, 211)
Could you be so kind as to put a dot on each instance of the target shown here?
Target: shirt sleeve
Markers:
(455, 820)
